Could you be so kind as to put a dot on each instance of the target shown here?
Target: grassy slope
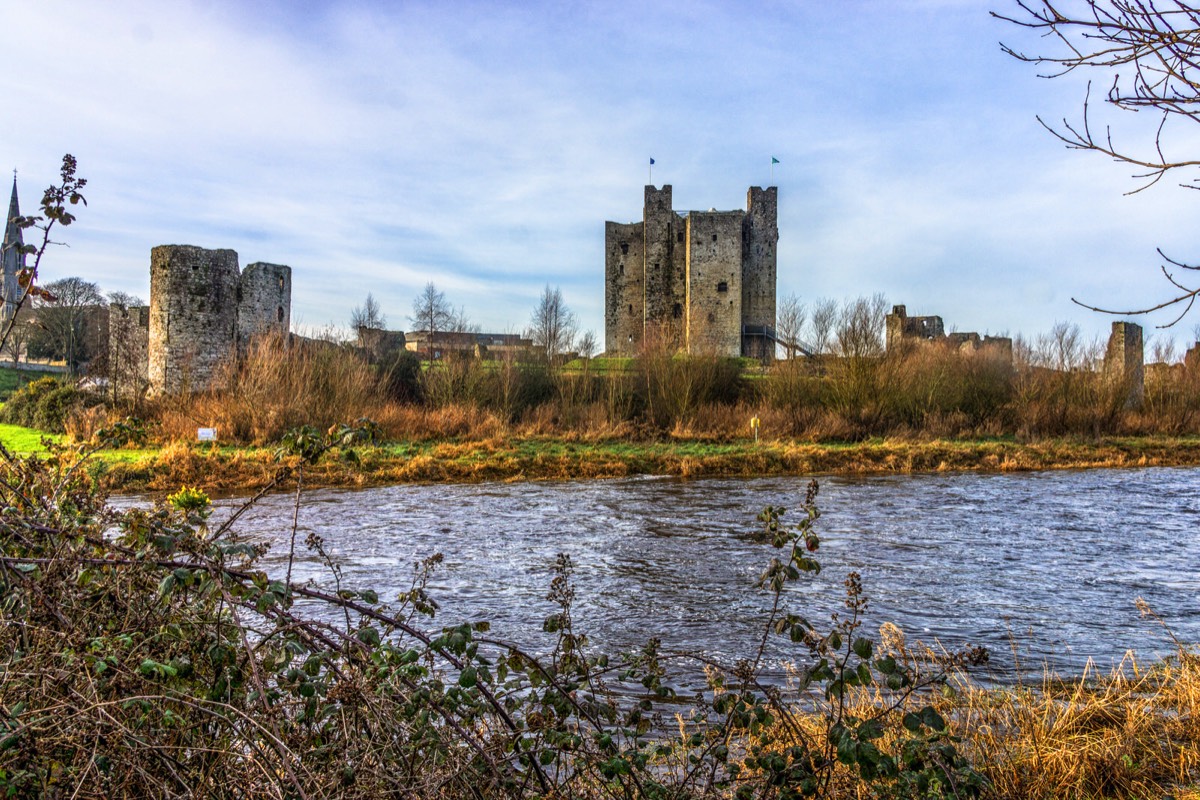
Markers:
(239, 469)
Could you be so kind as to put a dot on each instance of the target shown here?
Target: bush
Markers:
(47, 404)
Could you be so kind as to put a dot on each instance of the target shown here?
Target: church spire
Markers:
(14, 259)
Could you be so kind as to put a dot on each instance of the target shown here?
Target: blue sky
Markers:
(376, 146)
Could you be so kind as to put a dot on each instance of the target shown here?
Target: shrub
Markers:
(47, 404)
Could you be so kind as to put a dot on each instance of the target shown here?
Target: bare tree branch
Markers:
(1149, 52)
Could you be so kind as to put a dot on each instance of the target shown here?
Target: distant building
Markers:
(704, 280)
(467, 344)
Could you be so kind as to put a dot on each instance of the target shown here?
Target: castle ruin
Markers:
(1124, 362)
(203, 310)
(703, 280)
(902, 329)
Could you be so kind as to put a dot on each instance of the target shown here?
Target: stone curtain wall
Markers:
(128, 349)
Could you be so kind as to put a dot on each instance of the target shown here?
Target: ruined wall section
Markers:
(759, 260)
(901, 327)
(1124, 361)
(264, 301)
(665, 283)
(624, 292)
(714, 283)
(193, 315)
(129, 349)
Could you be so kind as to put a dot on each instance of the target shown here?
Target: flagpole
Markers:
(650, 172)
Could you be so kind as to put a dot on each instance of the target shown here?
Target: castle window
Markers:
(722, 287)
(679, 237)
(624, 248)
(677, 311)
(714, 237)
(281, 282)
(631, 308)
(279, 313)
(622, 269)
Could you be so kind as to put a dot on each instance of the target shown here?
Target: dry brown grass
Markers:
(279, 384)
(1133, 733)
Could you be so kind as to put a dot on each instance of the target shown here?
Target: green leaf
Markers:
(468, 678)
(368, 636)
(912, 722)
(862, 648)
(933, 719)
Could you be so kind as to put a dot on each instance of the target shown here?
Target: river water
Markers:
(1042, 568)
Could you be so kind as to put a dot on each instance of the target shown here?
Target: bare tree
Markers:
(61, 321)
(553, 326)
(789, 322)
(368, 315)
(587, 345)
(824, 316)
(1148, 53)
(459, 322)
(432, 314)
(859, 332)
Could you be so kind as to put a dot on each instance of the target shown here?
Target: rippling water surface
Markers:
(1051, 561)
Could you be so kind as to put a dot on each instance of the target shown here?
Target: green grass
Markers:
(13, 379)
(25, 440)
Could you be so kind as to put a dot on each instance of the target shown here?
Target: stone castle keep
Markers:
(203, 308)
(704, 280)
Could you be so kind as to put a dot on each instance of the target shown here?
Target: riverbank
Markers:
(228, 469)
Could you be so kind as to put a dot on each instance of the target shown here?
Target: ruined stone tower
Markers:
(704, 281)
(1124, 361)
(202, 308)
(264, 300)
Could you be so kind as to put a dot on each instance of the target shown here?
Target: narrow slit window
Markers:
(722, 287)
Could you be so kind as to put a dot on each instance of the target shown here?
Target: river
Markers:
(1041, 568)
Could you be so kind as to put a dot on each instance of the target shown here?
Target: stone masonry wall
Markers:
(665, 287)
(203, 309)
(714, 282)
(128, 349)
(760, 270)
(1124, 361)
(265, 301)
(193, 315)
(624, 280)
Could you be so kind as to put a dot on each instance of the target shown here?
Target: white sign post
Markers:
(206, 434)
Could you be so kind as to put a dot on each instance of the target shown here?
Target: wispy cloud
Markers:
(376, 146)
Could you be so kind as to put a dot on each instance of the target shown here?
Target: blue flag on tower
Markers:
(652, 161)
(774, 160)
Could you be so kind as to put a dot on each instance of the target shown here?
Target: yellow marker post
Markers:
(754, 422)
